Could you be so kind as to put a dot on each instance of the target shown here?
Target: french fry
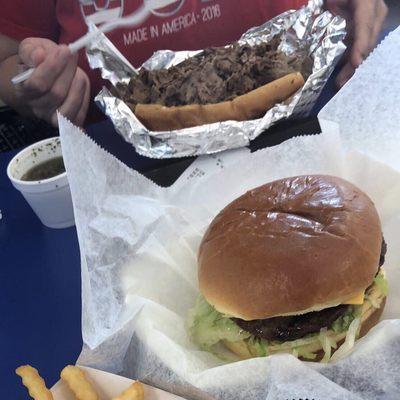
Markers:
(134, 392)
(34, 383)
(78, 383)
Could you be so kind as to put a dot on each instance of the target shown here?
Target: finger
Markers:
(74, 100)
(45, 106)
(364, 13)
(33, 50)
(47, 72)
(36, 57)
(62, 85)
(345, 74)
(81, 117)
(381, 13)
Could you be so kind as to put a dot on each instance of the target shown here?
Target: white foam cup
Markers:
(49, 198)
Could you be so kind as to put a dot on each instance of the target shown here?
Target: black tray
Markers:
(166, 172)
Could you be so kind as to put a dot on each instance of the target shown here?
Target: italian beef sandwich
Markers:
(239, 83)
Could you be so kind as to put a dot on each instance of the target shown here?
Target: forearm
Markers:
(9, 68)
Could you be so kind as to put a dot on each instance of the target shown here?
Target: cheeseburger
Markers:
(293, 266)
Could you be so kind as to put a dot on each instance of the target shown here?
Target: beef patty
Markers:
(297, 326)
(383, 252)
(291, 327)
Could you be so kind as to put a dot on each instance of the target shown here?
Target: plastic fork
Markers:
(133, 20)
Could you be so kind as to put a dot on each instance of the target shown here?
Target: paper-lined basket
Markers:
(109, 386)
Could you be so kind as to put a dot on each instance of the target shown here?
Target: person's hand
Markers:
(364, 22)
(56, 84)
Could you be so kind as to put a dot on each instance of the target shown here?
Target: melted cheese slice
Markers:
(357, 299)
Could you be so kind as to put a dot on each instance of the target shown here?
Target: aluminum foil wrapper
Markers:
(309, 31)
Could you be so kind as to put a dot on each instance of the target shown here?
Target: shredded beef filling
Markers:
(297, 326)
(215, 75)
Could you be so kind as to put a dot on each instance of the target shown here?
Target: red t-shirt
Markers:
(184, 25)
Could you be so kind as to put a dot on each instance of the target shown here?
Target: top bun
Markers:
(292, 246)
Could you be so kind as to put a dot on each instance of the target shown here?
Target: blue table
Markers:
(40, 303)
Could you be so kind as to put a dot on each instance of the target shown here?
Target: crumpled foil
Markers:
(308, 31)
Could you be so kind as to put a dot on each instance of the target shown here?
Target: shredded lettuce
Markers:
(299, 352)
(373, 302)
(349, 341)
(344, 321)
(207, 326)
(298, 347)
(327, 344)
(381, 282)
(257, 347)
(291, 344)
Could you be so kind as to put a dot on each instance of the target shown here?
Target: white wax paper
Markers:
(367, 107)
(139, 242)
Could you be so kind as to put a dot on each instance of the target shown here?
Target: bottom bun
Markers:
(370, 317)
